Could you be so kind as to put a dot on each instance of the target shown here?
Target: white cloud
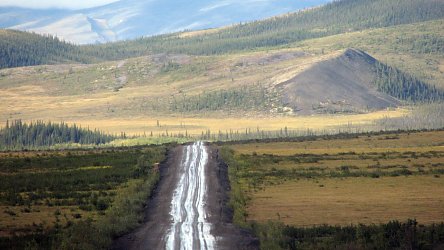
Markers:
(220, 4)
(215, 6)
(60, 4)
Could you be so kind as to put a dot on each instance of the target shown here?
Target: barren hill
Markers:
(341, 84)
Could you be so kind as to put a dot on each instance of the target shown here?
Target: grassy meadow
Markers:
(194, 126)
(306, 203)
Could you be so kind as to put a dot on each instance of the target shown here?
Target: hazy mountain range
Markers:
(127, 19)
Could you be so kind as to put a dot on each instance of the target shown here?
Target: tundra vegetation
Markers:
(74, 199)
(365, 191)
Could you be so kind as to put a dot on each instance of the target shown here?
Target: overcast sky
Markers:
(81, 4)
(61, 4)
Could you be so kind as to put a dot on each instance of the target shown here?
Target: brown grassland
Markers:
(362, 179)
(351, 201)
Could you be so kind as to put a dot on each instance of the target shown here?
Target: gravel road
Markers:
(189, 207)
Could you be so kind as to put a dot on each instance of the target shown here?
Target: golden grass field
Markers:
(351, 201)
(369, 179)
(197, 125)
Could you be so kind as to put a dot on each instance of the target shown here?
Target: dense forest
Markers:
(19, 135)
(400, 85)
(20, 49)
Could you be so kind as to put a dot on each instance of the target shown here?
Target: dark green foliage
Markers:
(400, 85)
(244, 98)
(83, 235)
(19, 48)
(65, 177)
(238, 200)
(114, 183)
(392, 235)
(427, 44)
(19, 135)
(38, 241)
(22, 49)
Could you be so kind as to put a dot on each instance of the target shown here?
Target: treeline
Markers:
(428, 116)
(19, 135)
(392, 235)
(400, 85)
(19, 48)
(252, 97)
(22, 49)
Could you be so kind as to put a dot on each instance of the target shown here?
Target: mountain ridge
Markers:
(341, 17)
(129, 19)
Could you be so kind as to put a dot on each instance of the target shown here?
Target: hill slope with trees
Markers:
(22, 49)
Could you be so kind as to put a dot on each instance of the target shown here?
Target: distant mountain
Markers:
(127, 19)
(22, 48)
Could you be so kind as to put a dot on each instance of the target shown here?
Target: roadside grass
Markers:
(124, 215)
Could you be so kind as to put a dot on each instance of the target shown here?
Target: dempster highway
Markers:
(189, 208)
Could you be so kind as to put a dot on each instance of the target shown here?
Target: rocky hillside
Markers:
(350, 82)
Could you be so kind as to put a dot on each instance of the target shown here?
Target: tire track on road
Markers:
(190, 228)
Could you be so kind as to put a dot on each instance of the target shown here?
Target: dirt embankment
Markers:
(152, 233)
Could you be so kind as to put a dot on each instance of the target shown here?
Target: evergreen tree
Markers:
(18, 135)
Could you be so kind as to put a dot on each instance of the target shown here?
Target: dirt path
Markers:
(189, 208)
